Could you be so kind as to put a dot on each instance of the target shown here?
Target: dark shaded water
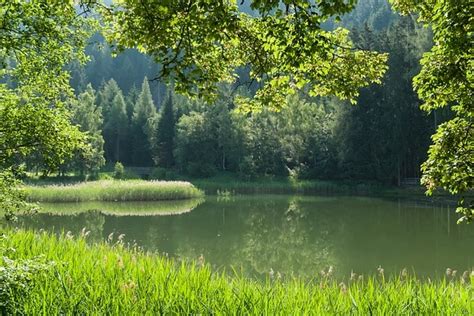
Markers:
(298, 235)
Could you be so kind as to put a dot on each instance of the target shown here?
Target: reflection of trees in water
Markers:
(92, 221)
(288, 241)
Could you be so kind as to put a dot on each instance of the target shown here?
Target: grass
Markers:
(74, 277)
(123, 208)
(114, 190)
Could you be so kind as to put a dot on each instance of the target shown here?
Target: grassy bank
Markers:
(75, 278)
(114, 190)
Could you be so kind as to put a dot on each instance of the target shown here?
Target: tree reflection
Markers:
(292, 241)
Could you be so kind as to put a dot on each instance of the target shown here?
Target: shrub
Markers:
(119, 170)
(17, 278)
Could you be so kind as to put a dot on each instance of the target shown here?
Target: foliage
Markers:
(200, 44)
(37, 39)
(12, 196)
(194, 143)
(446, 80)
(165, 132)
(386, 136)
(119, 170)
(114, 190)
(91, 279)
(116, 129)
(89, 158)
(17, 279)
(143, 123)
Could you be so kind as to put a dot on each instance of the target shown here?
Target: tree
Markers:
(446, 81)
(200, 44)
(87, 115)
(131, 99)
(106, 96)
(165, 135)
(385, 137)
(195, 145)
(37, 40)
(142, 128)
(116, 129)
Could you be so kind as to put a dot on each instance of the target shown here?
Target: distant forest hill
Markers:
(143, 123)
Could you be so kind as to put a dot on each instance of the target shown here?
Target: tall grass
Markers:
(114, 190)
(277, 185)
(110, 279)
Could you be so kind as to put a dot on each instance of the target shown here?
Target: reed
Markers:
(114, 191)
(70, 276)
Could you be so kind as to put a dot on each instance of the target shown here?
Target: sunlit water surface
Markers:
(289, 235)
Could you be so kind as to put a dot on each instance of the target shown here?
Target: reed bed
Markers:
(74, 277)
(114, 191)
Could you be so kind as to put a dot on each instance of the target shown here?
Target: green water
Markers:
(299, 235)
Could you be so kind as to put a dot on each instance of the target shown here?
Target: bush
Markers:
(17, 278)
(119, 170)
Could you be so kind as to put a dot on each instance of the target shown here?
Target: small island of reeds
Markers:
(114, 191)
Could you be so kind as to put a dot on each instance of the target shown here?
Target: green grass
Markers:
(123, 208)
(110, 279)
(114, 190)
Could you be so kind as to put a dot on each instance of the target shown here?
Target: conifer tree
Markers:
(165, 133)
(143, 121)
(106, 96)
(116, 128)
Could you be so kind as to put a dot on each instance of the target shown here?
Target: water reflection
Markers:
(297, 235)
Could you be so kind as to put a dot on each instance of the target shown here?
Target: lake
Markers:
(289, 235)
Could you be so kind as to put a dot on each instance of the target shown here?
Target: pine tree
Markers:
(106, 95)
(116, 128)
(143, 121)
(165, 133)
(105, 99)
(130, 100)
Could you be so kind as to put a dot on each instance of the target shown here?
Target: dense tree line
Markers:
(384, 137)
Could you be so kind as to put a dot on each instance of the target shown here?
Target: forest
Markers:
(236, 157)
(142, 122)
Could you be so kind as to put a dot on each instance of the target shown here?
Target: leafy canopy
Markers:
(201, 43)
(37, 39)
(446, 80)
